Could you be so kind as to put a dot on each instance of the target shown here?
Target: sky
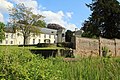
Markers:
(67, 13)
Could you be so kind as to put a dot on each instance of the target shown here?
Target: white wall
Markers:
(41, 37)
(17, 39)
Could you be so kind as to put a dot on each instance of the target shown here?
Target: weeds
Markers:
(21, 64)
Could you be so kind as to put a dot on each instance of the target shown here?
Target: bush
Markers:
(45, 45)
(20, 64)
(65, 44)
(30, 45)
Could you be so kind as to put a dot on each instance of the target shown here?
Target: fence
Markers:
(94, 47)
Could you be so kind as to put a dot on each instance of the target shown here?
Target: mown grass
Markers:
(19, 64)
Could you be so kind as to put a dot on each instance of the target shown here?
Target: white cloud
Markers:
(1, 18)
(70, 26)
(50, 17)
(58, 18)
(69, 14)
(4, 6)
(31, 4)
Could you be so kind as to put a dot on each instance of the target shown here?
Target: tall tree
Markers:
(68, 35)
(25, 21)
(104, 20)
(2, 34)
(55, 26)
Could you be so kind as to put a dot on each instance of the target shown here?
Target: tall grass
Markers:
(21, 64)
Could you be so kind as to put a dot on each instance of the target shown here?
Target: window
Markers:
(33, 41)
(63, 35)
(46, 41)
(11, 42)
(49, 36)
(39, 40)
(0, 41)
(18, 34)
(6, 35)
(11, 36)
(6, 42)
(44, 35)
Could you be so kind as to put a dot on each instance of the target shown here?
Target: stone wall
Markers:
(117, 49)
(94, 47)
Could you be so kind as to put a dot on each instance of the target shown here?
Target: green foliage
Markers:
(68, 35)
(104, 51)
(26, 21)
(104, 20)
(46, 45)
(40, 23)
(2, 33)
(55, 26)
(65, 44)
(19, 64)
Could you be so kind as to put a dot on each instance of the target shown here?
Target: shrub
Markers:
(65, 44)
(21, 64)
(46, 45)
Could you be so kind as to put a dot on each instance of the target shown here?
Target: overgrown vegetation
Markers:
(2, 33)
(20, 64)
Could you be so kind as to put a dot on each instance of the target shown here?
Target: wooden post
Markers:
(115, 47)
(100, 52)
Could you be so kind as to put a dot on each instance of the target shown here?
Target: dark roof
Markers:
(55, 26)
(43, 30)
(48, 31)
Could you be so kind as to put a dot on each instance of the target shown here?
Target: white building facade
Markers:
(46, 36)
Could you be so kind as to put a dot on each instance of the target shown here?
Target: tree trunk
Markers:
(24, 41)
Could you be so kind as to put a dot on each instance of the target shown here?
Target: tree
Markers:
(40, 23)
(104, 20)
(55, 26)
(25, 21)
(68, 35)
(2, 34)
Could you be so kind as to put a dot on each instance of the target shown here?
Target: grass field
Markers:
(20, 64)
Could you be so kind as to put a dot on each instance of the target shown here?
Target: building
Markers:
(60, 31)
(15, 37)
(77, 32)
